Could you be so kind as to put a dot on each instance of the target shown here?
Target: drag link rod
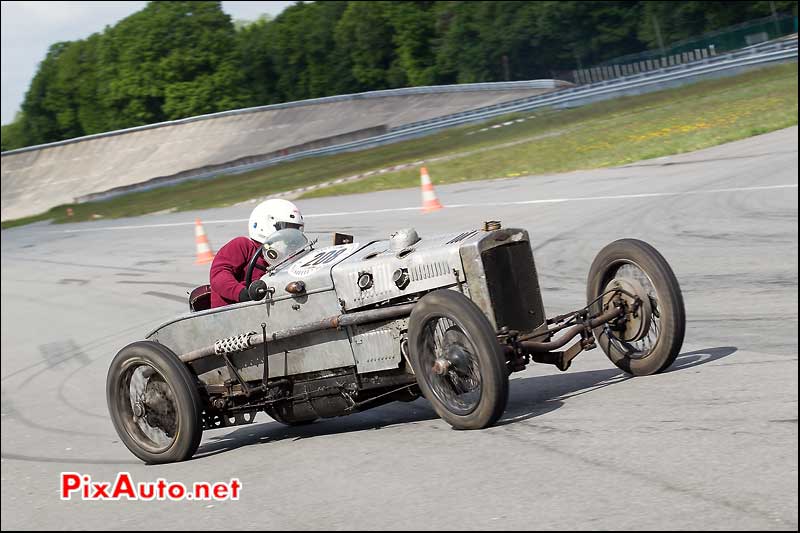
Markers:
(535, 346)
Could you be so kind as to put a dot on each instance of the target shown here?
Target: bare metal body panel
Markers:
(457, 261)
(377, 346)
(310, 353)
(430, 264)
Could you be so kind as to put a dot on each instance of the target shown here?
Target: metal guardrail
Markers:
(772, 53)
(763, 54)
(723, 40)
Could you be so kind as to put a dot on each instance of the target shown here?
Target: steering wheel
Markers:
(256, 290)
(248, 278)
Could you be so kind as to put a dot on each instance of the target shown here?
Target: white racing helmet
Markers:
(271, 216)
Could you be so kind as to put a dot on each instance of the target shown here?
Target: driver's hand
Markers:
(244, 296)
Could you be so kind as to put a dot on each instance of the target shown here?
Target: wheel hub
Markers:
(157, 406)
(458, 356)
(455, 355)
(635, 323)
(451, 369)
(441, 366)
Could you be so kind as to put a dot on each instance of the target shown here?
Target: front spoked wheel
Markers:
(458, 362)
(649, 337)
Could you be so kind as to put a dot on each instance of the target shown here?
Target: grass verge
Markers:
(604, 134)
(619, 132)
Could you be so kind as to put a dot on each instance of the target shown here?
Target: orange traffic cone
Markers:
(204, 253)
(429, 200)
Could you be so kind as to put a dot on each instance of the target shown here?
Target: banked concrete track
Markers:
(38, 178)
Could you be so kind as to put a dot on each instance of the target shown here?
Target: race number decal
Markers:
(318, 259)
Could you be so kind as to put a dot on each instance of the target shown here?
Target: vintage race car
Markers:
(336, 330)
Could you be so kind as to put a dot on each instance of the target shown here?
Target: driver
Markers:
(229, 268)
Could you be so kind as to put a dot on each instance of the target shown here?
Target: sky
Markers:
(29, 28)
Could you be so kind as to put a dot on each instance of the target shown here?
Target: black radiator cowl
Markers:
(513, 286)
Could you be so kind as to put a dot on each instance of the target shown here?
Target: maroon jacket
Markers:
(230, 268)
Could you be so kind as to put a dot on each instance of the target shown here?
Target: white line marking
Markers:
(457, 206)
(629, 196)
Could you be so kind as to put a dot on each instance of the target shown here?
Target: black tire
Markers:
(669, 322)
(485, 356)
(178, 392)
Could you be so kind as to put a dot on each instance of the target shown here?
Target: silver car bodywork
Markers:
(484, 265)
(341, 329)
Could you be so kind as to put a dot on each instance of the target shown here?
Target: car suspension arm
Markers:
(536, 346)
(519, 351)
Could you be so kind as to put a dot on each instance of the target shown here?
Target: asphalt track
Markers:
(710, 444)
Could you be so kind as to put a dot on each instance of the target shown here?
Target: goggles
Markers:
(288, 225)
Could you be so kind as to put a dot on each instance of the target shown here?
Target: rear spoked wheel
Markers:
(458, 362)
(154, 403)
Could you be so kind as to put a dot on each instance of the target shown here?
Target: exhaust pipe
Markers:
(246, 341)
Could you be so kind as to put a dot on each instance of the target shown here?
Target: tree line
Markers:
(179, 59)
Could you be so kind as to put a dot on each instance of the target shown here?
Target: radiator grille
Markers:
(513, 286)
